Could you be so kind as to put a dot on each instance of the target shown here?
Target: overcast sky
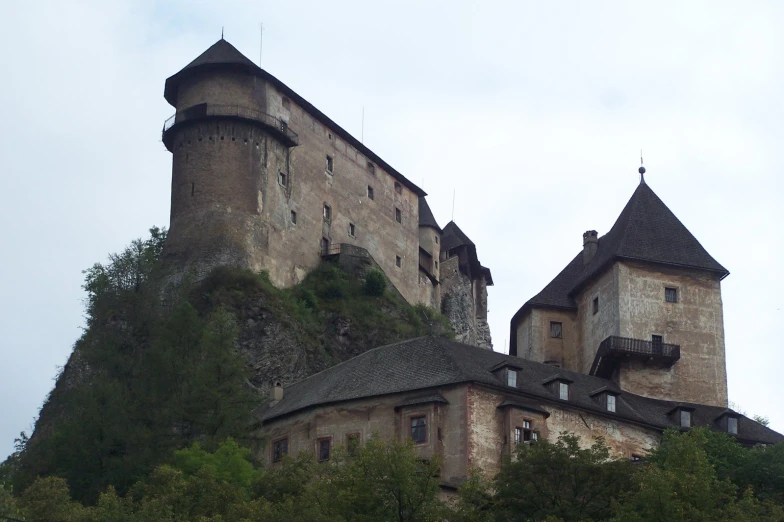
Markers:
(534, 113)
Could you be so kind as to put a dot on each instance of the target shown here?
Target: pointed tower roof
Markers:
(426, 218)
(453, 237)
(220, 55)
(646, 230)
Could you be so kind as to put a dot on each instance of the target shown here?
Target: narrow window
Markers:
(352, 230)
(352, 443)
(529, 435)
(556, 330)
(398, 188)
(283, 179)
(330, 135)
(518, 435)
(685, 419)
(436, 262)
(293, 217)
(286, 103)
(671, 295)
(732, 425)
(611, 403)
(398, 215)
(323, 446)
(511, 378)
(595, 305)
(327, 213)
(418, 429)
(279, 449)
(436, 238)
(370, 192)
(563, 391)
(398, 261)
(330, 162)
(371, 168)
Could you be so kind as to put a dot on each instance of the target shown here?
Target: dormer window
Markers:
(682, 416)
(511, 378)
(685, 418)
(732, 425)
(559, 385)
(611, 403)
(607, 397)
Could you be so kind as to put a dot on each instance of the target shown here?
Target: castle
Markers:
(625, 342)
(262, 179)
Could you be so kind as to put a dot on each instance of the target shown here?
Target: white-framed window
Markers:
(611, 403)
(511, 378)
(685, 419)
(732, 425)
(563, 391)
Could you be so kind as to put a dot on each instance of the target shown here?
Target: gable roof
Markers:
(428, 363)
(224, 56)
(426, 218)
(646, 230)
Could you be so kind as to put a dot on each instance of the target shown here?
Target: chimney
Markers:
(277, 393)
(590, 245)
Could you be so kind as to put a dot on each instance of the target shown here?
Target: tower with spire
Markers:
(641, 305)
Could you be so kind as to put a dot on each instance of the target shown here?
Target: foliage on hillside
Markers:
(385, 481)
(159, 368)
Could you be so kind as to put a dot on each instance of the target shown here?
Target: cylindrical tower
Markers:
(221, 139)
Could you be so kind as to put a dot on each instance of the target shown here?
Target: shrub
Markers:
(375, 283)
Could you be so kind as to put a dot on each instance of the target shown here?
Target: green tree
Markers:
(560, 480)
(682, 484)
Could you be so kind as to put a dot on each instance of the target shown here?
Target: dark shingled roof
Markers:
(646, 230)
(423, 365)
(223, 55)
(453, 237)
(426, 218)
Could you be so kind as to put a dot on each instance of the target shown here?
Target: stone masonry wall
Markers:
(695, 322)
(596, 327)
(535, 343)
(458, 304)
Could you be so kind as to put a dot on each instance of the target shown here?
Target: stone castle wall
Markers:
(460, 305)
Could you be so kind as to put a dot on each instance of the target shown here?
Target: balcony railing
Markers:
(614, 348)
(210, 110)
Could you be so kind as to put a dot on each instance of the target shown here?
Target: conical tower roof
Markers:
(646, 230)
(426, 217)
(221, 54)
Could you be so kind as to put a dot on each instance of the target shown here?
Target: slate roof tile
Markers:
(425, 364)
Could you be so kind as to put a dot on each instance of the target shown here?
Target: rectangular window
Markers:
(398, 215)
(352, 443)
(352, 230)
(330, 162)
(671, 295)
(283, 179)
(398, 188)
(324, 246)
(436, 238)
(657, 339)
(685, 419)
(563, 391)
(732, 425)
(371, 168)
(436, 262)
(611, 403)
(293, 217)
(286, 103)
(418, 429)
(398, 261)
(511, 378)
(279, 449)
(556, 330)
(327, 213)
(323, 449)
(518, 435)
(370, 192)
(595, 305)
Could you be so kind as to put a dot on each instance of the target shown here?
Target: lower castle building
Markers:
(626, 342)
